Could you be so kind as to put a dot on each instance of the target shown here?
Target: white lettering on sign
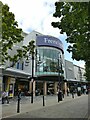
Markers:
(49, 41)
(46, 40)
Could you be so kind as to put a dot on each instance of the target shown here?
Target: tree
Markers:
(10, 35)
(74, 20)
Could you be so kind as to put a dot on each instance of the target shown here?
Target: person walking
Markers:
(19, 94)
(72, 94)
(67, 91)
(60, 95)
(5, 97)
(72, 91)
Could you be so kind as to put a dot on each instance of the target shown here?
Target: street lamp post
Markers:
(39, 62)
(32, 75)
(32, 78)
(43, 95)
(61, 75)
(60, 79)
(30, 54)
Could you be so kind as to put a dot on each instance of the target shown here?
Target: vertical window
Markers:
(18, 65)
(22, 65)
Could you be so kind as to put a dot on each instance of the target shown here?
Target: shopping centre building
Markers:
(48, 60)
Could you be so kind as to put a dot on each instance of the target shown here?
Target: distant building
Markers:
(79, 73)
(69, 69)
(75, 76)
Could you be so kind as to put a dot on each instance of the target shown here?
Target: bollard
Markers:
(18, 105)
(32, 97)
(43, 101)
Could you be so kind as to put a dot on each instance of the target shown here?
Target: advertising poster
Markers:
(10, 90)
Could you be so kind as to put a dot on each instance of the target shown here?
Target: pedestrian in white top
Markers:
(5, 97)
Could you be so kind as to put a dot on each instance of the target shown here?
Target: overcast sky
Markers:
(37, 15)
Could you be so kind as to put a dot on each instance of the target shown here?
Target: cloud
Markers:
(47, 28)
(32, 14)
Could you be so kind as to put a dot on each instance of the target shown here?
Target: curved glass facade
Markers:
(47, 60)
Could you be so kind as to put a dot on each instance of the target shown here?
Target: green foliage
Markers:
(10, 35)
(75, 22)
(87, 70)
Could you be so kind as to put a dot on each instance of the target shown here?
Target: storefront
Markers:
(22, 84)
(8, 85)
(13, 80)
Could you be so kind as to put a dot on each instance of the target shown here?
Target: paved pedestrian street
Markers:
(68, 108)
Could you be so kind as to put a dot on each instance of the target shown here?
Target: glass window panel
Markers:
(49, 59)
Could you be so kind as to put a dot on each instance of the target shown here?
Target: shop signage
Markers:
(49, 41)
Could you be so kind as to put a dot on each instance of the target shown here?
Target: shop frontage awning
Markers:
(49, 78)
(75, 80)
(12, 72)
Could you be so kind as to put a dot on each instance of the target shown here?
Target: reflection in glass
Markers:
(48, 59)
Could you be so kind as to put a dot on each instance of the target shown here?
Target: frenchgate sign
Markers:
(50, 41)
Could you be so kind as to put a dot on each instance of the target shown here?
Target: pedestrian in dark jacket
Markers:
(72, 92)
(19, 94)
(60, 95)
